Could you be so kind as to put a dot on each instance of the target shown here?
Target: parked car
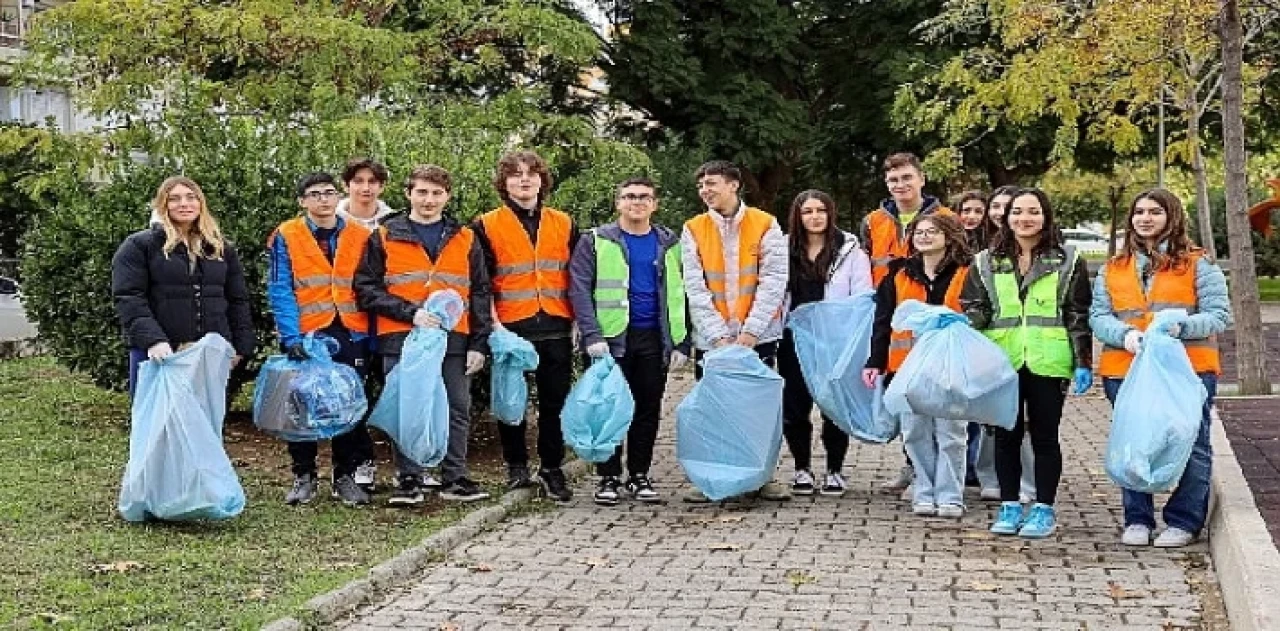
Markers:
(1085, 241)
(8, 286)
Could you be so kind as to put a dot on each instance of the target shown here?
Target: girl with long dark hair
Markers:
(972, 210)
(826, 263)
(1030, 295)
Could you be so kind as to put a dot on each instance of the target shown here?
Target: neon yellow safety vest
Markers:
(1030, 332)
(612, 278)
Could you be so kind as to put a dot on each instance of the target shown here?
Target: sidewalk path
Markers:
(860, 562)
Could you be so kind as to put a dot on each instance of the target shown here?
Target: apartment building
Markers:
(24, 104)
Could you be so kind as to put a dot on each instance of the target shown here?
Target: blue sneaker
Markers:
(1041, 522)
(1008, 519)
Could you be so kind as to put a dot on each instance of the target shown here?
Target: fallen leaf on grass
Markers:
(49, 617)
(481, 567)
(117, 567)
(724, 547)
(1117, 592)
(800, 577)
(983, 587)
(256, 594)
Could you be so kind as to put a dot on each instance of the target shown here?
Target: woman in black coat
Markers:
(179, 280)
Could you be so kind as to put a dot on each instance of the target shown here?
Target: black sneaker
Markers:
(641, 488)
(303, 491)
(463, 490)
(408, 492)
(607, 492)
(348, 492)
(518, 478)
(554, 485)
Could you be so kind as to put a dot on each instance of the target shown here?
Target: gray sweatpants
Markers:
(457, 386)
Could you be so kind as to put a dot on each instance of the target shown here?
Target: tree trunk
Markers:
(1250, 356)
(1204, 210)
(1114, 196)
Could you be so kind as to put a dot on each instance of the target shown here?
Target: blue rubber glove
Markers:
(1084, 379)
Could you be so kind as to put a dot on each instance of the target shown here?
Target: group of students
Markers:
(653, 297)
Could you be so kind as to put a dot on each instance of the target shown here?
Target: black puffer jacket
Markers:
(160, 299)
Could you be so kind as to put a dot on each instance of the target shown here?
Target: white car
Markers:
(1085, 241)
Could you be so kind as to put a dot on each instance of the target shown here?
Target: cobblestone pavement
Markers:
(859, 562)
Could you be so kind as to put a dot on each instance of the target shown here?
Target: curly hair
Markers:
(1006, 245)
(1178, 245)
(509, 165)
(957, 243)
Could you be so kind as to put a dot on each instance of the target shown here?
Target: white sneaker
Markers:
(990, 493)
(902, 481)
(429, 481)
(924, 509)
(1136, 535)
(834, 485)
(802, 483)
(1024, 498)
(367, 474)
(1174, 538)
(951, 511)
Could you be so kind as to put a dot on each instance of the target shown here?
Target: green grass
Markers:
(68, 561)
(1269, 289)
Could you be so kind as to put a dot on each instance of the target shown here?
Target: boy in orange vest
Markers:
(313, 259)
(735, 262)
(527, 248)
(408, 259)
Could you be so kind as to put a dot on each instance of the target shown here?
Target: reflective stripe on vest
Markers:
(706, 235)
(1170, 289)
(413, 276)
(613, 275)
(888, 241)
(1030, 332)
(529, 278)
(907, 288)
(322, 289)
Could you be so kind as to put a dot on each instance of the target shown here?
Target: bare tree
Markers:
(1250, 351)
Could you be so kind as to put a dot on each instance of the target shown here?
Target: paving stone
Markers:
(857, 562)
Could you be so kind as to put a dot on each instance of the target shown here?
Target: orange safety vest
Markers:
(907, 288)
(529, 278)
(412, 275)
(888, 240)
(1170, 289)
(324, 289)
(755, 223)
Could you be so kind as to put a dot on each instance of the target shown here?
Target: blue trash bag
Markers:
(313, 399)
(1157, 413)
(729, 427)
(952, 372)
(178, 469)
(885, 425)
(414, 407)
(833, 342)
(598, 412)
(508, 391)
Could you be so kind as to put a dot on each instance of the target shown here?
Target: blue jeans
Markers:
(1188, 507)
(936, 447)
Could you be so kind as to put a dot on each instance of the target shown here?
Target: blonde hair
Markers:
(204, 238)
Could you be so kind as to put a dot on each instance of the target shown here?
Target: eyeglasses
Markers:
(927, 232)
(636, 198)
(316, 196)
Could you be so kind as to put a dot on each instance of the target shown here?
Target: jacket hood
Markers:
(928, 204)
(613, 232)
(399, 227)
(383, 212)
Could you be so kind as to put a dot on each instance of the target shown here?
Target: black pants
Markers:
(353, 447)
(797, 406)
(646, 374)
(768, 353)
(553, 378)
(1040, 412)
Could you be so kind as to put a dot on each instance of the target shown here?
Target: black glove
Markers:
(298, 353)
